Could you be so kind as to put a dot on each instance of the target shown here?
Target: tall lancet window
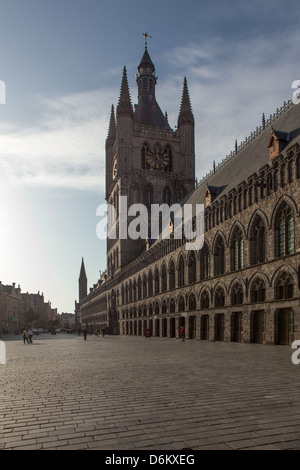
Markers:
(145, 149)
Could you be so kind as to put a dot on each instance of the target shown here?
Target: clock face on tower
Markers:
(157, 159)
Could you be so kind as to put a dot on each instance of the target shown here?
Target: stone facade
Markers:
(243, 285)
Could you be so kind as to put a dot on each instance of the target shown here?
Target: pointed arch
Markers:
(163, 277)
(192, 301)
(172, 305)
(257, 289)
(192, 267)
(257, 231)
(172, 275)
(284, 228)
(204, 298)
(219, 254)
(180, 270)
(237, 293)
(284, 286)
(288, 200)
(236, 243)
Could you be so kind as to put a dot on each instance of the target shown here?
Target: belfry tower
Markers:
(146, 160)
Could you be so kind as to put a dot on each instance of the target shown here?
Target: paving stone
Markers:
(127, 393)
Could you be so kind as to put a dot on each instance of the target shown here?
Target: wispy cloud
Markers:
(231, 84)
(65, 149)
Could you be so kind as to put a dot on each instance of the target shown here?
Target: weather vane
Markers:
(146, 35)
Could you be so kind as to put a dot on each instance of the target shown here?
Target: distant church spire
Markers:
(185, 113)
(124, 105)
(82, 282)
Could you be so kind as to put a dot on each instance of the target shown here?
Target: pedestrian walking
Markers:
(25, 336)
(182, 333)
(103, 332)
(85, 334)
(30, 335)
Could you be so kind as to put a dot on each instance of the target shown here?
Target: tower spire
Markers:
(124, 105)
(185, 113)
(112, 125)
(82, 282)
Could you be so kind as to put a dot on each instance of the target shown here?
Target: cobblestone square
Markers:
(120, 393)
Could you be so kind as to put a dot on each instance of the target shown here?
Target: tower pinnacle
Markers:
(185, 113)
(124, 105)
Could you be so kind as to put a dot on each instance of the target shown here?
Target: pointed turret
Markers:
(124, 105)
(148, 112)
(185, 113)
(111, 136)
(186, 125)
(124, 126)
(82, 282)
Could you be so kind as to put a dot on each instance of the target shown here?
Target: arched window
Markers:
(290, 171)
(237, 294)
(284, 231)
(192, 302)
(284, 287)
(172, 306)
(148, 195)
(257, 241)
(172, 275)
(181, 304)
(282, 175)
(134, 291)
(150, 283)
(219, 297)
(139, 288)
(219, 256)
(130, 291)
(181, 269)
(156, 308)
(237, 249)
(167, 196)
(204, 262)
(258, 291)
(134, 194)
(144, 310)
(145, 149)
(269, 183)
(122, 295)
(164, 279)
(156, 281)
(144, 287)
(150, 310)
(164, 307)
(168, 157)
(192, 267)
(204, 302)
(275, 179)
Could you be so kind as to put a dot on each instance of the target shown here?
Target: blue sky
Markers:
(62, 64)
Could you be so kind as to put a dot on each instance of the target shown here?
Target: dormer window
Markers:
(211, 193)
(277, 142)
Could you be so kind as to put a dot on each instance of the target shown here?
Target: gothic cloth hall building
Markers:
(243, 284)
